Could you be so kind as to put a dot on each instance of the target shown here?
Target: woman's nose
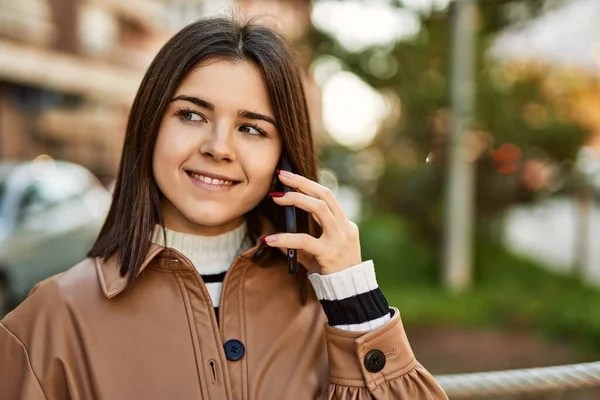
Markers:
(218, 145)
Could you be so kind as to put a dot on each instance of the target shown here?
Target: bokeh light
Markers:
(352, 110)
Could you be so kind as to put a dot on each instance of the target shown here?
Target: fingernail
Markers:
(277, 194)
(285, 173)
(269, 239)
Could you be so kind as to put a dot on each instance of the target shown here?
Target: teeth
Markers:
(211, 181)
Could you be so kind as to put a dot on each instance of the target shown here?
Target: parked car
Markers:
(50, 214)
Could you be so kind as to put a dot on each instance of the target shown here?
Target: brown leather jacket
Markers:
(80, 335)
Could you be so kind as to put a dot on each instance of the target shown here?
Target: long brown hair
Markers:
(135, 208)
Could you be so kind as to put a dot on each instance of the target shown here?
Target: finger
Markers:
(298, 241)
(313, 189)
(317, 207)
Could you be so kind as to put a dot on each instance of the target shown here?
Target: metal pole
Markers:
(459, 195)
(583, 207)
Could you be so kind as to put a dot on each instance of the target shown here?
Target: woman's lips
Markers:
(208, 183)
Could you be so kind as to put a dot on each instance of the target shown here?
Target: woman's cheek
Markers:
(262, 186)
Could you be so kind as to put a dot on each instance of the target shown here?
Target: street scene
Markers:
(462, 137)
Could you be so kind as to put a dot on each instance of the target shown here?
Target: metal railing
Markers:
(521, 380)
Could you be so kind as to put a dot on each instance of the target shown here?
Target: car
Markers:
(50, 215)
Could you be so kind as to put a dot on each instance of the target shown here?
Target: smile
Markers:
(209, 183)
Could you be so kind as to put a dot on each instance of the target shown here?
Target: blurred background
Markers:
(462, 136)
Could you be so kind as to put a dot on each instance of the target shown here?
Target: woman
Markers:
(186, 294)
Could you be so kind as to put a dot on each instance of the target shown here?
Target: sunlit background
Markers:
(384, 79)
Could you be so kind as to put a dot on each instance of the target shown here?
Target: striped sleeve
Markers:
(352, 299)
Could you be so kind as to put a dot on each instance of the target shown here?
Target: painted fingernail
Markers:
(285, 173)
(269, 239)
(277, 194)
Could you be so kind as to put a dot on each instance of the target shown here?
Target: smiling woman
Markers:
(186, 294)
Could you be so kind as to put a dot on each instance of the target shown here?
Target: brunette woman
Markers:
(186, 293)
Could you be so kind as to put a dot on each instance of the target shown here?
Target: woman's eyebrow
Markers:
(211, 107)
(253, 115)
(195, 100)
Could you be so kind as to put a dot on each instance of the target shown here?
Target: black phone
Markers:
(290, 218)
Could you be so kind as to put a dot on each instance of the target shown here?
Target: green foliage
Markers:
(518, 113)
(403, 236)
(387, 239)
(509, 293)
(507, 111)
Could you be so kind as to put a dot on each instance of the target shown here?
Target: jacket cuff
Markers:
(351, 298)
(347, 352)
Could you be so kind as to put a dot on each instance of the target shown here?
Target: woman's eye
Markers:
(251, 130)
(190, 116)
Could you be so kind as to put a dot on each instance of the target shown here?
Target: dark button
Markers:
(234, 350)
(375, 361)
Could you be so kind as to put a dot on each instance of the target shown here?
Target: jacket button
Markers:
(234, 350)
(375, 361)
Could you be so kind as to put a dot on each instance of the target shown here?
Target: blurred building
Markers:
(69, 69)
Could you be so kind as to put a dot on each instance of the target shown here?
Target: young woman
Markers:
(186, 293)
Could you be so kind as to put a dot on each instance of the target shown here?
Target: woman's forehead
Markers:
(227, 84)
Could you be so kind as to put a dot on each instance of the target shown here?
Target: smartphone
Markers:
(290, 218)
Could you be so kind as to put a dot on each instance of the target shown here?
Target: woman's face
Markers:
(217, 148)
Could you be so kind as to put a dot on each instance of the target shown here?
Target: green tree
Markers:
(509, 111)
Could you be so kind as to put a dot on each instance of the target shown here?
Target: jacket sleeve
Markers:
(355, 360)
(17, 379)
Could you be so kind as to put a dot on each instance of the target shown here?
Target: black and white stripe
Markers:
(214, 284)
(352, 299)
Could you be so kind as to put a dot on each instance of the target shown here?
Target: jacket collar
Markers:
(108, 270)
(113, 283)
